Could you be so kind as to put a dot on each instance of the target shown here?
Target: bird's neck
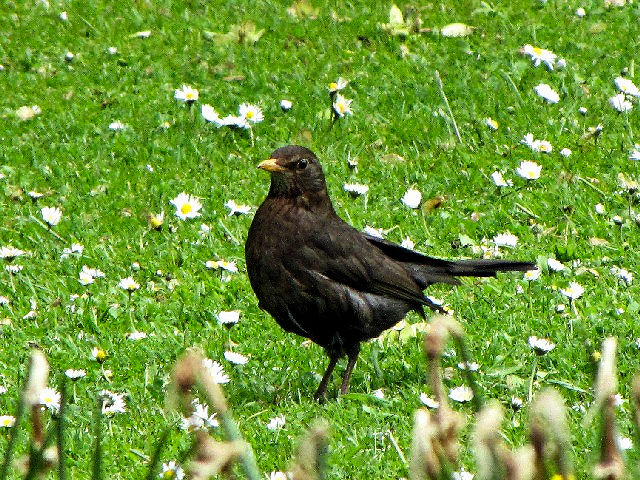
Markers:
(315, 200)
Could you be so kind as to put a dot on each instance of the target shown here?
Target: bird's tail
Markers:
(487, 268)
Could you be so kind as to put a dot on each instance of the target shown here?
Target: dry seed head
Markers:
(213, 457)
(424, 460)
(486, 439)
(38, 377)
(606, 381)
(436, 339)
(311, 451)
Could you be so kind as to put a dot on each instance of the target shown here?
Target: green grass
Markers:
(100, 180)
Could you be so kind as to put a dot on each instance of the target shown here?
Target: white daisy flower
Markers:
(75, 248)
(635, 153)
(599, 208)
(531, 275)
(276, 422)
(135, 335)
(355, 188)
(50, 399)
(462, 475)
(582, 110)
(64, 16)
(222, 264)
(142, 34)
(186, 94)
(171, 470)
(573, 291)
(540, 55)
(201, 418)
(620, 103)
(234, 121)
(75, 374)
(580, 12)
(470, 366)
(529, 170)
(286, 105)
(13, 269)
(407, 243)
(9, 252)
(499, 180)
(278, 476)
(236, 209)
(565, 152)
(112, 402)
(129, 284)
(51, 215)
(542, 146)
(428, 401)
(210, 115)
(216, 371)
(7, 421)
(374, 232)
(236, 358)
(491, 123)
(187, 206)
(340, 84)
(516, 403)
(69, 56)
(554, 265)
(342, 106)
(541, 345)
(84, 278)
(251, 113)
(412, 198)
(624, 443)
(98, 354)
(378, 393)
(230, 317)
(622, 274)
(547, 93)
(505, 240)
(528, 140)
(624, 85)
(117, 125)
(112, 50)
(461, 394)
(3, 301)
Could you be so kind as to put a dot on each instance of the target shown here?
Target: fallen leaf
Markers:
(303, 9)
(456, 30)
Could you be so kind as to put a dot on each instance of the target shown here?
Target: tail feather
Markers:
(488, 268)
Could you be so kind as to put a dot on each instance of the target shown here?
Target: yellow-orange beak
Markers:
(271, 165)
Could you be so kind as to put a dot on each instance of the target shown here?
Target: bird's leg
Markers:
(321, 393)
(352, 355)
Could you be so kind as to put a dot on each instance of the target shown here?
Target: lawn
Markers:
(420, 104)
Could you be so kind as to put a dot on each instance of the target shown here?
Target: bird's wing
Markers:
(343, 255)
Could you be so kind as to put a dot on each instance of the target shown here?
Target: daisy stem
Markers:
(533, 376)
(224, 227)
(13, 437)
(62, 472)
(155, 459)
(446, 102)
(251, 136)
(133, 327)
(97, 452)
(48, 228)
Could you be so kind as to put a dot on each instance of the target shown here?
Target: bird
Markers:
(322, 279)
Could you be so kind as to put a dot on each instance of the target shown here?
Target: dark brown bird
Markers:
(324, 280)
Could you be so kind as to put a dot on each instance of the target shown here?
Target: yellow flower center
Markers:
(186, 208)
(169, 474)
(333, 86)
(341, 107)
(249, 114)
(537, 50)
(190, 96)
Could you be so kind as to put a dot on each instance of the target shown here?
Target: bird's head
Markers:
(295, 172)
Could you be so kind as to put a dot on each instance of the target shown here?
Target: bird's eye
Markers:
(302, 164)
